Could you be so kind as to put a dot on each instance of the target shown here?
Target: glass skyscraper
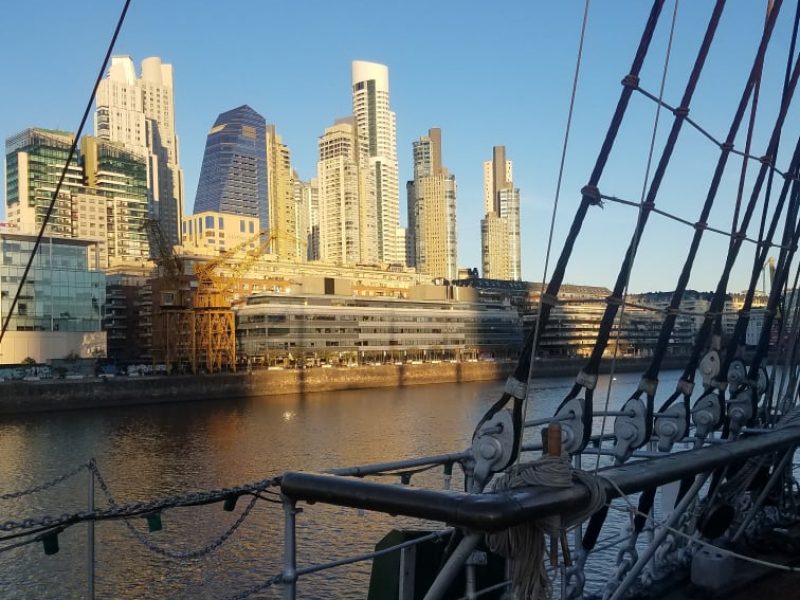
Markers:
(233, 178)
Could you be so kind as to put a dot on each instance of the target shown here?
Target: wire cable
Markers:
(63, 175)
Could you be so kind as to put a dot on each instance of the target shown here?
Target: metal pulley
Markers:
(737, 373)
(740, 408)
(492, 447)
(570, 416)
(630, 431)
(670, 426)
(706, 414)
(710, 367)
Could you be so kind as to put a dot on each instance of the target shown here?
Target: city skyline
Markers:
(530, 122)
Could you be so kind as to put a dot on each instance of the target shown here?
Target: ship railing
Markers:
(477, 514)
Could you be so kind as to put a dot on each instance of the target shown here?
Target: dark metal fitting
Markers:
(649, 205)
(630, 81)
(701, 225)
(740, 235)
(681, 111)
(614, 300)
(549, 299)
(727, 146)
(593, 193)
(767, 160)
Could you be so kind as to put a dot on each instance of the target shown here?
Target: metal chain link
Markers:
(166, 552)
(119, 511)
(46, 485)
(259, 588)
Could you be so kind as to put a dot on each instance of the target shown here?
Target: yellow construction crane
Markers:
(173, 319)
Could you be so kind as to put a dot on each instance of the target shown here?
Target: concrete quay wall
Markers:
(71, 394)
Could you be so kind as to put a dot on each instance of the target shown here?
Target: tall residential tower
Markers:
(377, 143)
(139, 113)
(500, 242)
(432, 210)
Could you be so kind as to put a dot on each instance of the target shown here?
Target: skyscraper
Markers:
(306, 201)
(283, 214)
(500, 235)
(233, 178)
(432, 210)
(139, 112)
(347, 219)
(377, 142)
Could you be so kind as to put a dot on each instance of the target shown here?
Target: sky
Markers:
(486, 73)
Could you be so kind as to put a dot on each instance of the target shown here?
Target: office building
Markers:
(306, 201)
(500, 228)
(432, 209)
(233, 177)
(347, 218)
(103, 198)
(60, 309)
(377, 142)
(139, 112)
(210, 232)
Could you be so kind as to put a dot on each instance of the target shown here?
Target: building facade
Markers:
(211, 233)
(139, 113)
(103, 198)
(60, 308)
(377, 143)
(500, 227)
(432, 210)
(233, 177)
(357, 329)
(283, 213)
(347, 219)
(306, 202)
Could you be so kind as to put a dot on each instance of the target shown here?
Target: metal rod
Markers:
(371, 469)
(776, 474)
(659, 537)
(289, 573)
(451, 568)
(90, 540)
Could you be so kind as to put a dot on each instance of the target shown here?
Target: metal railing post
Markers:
(452, 566)
(90, 538)
(289, 573)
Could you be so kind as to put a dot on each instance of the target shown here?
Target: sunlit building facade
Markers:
(500, 227)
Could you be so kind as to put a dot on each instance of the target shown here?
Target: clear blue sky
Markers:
(486, 73)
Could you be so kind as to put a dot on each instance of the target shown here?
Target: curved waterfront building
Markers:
(233, 178)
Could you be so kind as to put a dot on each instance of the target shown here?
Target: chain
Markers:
(120, 511)
(46, 485)
(166, 552)
(259, 588)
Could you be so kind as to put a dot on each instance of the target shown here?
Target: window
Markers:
(252, 227)
(221, 226)
(241, 225)
(209, 222)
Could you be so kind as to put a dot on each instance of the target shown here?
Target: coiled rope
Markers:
(524, 545)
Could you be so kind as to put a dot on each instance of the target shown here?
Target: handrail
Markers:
(497, 511)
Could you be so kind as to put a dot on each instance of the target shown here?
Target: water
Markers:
(150, 451)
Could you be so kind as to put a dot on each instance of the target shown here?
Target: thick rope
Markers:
(524, 544)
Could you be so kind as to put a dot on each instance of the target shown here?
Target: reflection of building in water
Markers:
(349, 328)
(60, 307)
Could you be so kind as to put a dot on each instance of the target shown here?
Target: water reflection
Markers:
(149, 451)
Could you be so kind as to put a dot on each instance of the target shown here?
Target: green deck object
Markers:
(154, 522)
(50, 543)
(230, 502)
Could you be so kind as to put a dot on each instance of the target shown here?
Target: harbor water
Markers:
(158, 450)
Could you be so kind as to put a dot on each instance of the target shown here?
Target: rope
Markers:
(537, 329)
(524, 544)
(638, 230)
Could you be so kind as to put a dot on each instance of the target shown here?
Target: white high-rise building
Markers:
(347, 221)
(377, 140)
(139, 112)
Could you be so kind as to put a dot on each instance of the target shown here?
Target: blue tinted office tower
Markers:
(233, 178)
